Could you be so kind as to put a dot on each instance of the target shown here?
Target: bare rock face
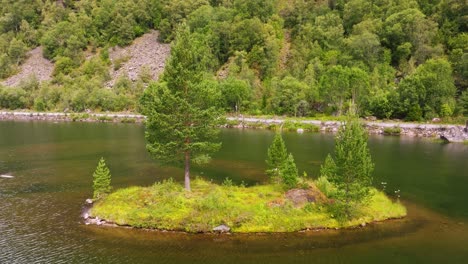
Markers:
(300, 197)
(35, 65)
(145, 52)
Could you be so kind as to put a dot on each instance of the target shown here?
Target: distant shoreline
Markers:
(72, 117)
(447, 132)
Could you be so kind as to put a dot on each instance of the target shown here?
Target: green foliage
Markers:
(289, 174)
(393, 59)
(324, 185)
(128, 120)
(428, 89)
(14, 98)
(295, 125)
(227, 182)
(101, 180)
(276, 156)
(464, 102)
(281, 166)
(236, 93)
(17, 50)
(395, 131)
(262, 208)
(340, 84)
(351, 169)
(292, 97)
(182, 122)
(328, 170)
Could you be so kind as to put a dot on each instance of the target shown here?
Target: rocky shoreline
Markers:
(73, 117)
(448, 133)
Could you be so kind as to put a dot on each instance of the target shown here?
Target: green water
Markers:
(53, 162)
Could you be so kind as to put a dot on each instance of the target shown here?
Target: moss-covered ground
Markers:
(262, 208)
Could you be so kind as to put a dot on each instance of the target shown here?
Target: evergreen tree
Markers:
(281, 166)
(101, 180)
(289, 174)
(351, 170)
(328, 169)
(182, 120)
(277, 155)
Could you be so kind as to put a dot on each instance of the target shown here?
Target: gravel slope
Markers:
(35, 65)
(144, 51)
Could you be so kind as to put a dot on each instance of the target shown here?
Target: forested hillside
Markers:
(405, 59)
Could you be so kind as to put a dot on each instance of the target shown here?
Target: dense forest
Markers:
(405, 59)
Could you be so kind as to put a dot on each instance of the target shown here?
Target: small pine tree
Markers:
(289, 174)
(328, 169)
(351, 170)
(277, 155)
(101, 180)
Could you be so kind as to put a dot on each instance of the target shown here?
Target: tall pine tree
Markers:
(182, 120)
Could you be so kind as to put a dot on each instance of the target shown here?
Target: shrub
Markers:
(128, 120)
(104, 118)
(64, 65)
(294, 126)
(40, 105)
(394, 131)
(118, 62)
(14, 98)
(325, 186)
(414, 114)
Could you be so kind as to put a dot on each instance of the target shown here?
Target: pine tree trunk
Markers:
(187, 170)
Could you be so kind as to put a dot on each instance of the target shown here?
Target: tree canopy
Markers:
(281, 57)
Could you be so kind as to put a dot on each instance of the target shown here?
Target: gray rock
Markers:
(454, 134)
(89, 201)
(222, 229)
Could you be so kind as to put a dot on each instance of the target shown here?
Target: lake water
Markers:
(52, 165)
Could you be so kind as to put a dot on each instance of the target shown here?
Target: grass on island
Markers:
(262, 208)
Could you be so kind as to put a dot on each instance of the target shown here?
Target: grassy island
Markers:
(262, 208)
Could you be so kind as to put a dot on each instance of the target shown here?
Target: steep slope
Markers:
(145, 51)
(35, 65)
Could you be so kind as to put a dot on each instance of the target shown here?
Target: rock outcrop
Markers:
(300, 197)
